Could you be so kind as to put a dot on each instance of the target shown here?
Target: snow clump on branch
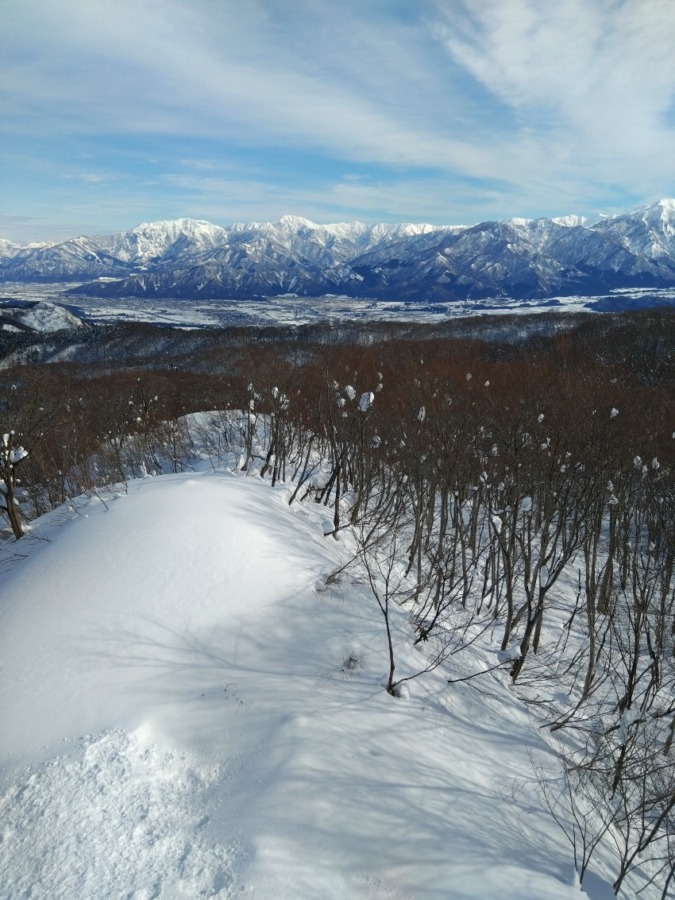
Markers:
(366, 401)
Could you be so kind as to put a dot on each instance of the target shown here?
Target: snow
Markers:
(186, 715)
(302, 310)
(300, 260)
(41, 316)
(571, 221)
(295, 223)
(366, 401)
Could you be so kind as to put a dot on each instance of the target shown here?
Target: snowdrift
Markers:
(184, 714)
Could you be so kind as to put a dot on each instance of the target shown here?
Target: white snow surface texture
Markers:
(185, 715)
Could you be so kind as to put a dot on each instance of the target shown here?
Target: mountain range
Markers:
(519, 258)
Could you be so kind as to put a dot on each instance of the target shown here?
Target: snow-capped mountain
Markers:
(8, 249)
(517, 257)
(70, 260)
(154, 241)
(647, 232)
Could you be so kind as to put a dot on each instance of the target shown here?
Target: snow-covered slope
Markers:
(648, 232)
(184, 714)
(39, 315)
(517, 258)
(152, 241)
(80, 257)
(8, 249)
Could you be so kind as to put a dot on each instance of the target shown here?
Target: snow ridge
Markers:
(191, 726)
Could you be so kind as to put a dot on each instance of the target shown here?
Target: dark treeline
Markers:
(649, 333)
(523, 490)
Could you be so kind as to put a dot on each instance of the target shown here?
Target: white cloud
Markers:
(88, 177)
(346, 86)
(556, 106)
(597, 75)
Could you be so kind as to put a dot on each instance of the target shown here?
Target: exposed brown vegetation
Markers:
(476, 475)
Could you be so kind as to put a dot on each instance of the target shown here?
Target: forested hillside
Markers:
(521, 494)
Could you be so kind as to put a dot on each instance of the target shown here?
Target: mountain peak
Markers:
(665, 208)
(517, 257)
(173, 226)
(295, 223)
(570, 221)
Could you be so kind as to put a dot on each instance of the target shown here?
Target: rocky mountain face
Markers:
(517, 258)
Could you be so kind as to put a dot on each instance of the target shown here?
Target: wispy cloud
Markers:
(88, 177)
(248, 73)
(439, 107)
(596, 77)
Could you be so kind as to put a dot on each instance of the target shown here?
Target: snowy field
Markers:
(188, 711)
(302, 311)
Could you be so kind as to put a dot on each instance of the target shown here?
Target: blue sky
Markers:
(440, 111)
